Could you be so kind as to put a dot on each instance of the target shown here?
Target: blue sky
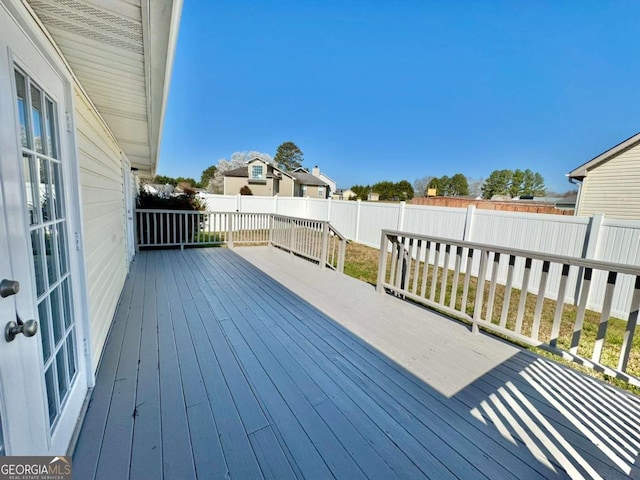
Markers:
(388, 90)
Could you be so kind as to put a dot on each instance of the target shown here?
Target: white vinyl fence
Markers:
(591, 238)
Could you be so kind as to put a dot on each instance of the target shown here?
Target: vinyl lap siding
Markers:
(613, 187)
(103, 212)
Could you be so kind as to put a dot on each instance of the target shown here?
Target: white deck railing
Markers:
(534, 303)
(314, 240)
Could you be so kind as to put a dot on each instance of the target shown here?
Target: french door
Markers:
(43, 379)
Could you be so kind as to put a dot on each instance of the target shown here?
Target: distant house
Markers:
(610, 182)
(341, 194)
(308, 185)
(267, 180)
(373, 196)
(262, 178)
(315, 171)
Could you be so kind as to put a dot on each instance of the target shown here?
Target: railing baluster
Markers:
(479, 300)
(508, 288)
(395, 252)
(445, 273)
(416, 271)
(425, 270)
(629, 331)
(604, 316)
(542, 291)
(456, 278)
(557, 318)
(523, 295)
(146, 216)
(492, 287)
(400, 264)
(407, 266)
(434, 273)
(467, 279)
(582, 308)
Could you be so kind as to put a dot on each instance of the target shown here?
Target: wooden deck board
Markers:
(269, 367)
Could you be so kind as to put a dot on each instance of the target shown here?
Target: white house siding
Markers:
(103, 212)
(613, 187)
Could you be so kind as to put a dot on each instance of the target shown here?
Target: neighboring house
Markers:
(261, 177)
(267, 180)
(373, 196)
(83, 88)
(158, 189)
(341, 194)
(308, 185)
(315, 171)
(610, 182)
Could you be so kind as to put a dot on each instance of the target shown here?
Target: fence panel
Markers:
(438, 221)
(317, 209)
(344, 215)
(292, 207)
(219, 203)
(375, 217)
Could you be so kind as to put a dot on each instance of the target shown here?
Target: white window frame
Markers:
(321, 191)
(253, 172)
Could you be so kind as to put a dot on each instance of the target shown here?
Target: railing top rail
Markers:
(301, 219)
(161, 210)
(337, 233)
(562, 259)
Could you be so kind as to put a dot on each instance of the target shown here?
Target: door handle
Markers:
(9, 287)
(28, 329)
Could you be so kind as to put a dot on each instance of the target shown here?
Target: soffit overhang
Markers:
(121, 53)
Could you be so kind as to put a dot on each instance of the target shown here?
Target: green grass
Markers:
(361, 262)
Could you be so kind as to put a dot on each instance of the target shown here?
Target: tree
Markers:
(475, 186)
(404, 190)
(207, 175)
(288, 157)
(497, 183)
(361, 191)
(191, 182)
(237, 160)
(458, 185)
(164, 180)
(514, 183)
(420, 185)
(245, 190)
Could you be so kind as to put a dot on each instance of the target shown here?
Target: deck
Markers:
(251, 363)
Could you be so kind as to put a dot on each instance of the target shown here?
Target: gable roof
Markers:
(581, 172)
(304, 178)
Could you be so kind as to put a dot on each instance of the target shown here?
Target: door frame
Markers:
(48, 53)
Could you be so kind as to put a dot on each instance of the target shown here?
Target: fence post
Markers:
(468, 223)
(329, 209)
(358, 203)
(238, 202)
(382, 261)
(275, 203)
(325, 245)
(401, 216)
(590, 250)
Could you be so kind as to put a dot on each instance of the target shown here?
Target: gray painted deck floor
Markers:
(252, 363)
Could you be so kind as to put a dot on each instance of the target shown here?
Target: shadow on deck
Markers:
(216, 369)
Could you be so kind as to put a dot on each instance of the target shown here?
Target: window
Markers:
(256, 172)
(303, 190)
(321, 192)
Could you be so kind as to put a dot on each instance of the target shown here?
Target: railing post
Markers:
(382, 261)
(136, 230)
(271, 223)
(325, 245)
(238, 202)
(230, 217)
(329, 209)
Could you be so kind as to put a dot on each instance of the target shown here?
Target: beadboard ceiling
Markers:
(121, 51)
